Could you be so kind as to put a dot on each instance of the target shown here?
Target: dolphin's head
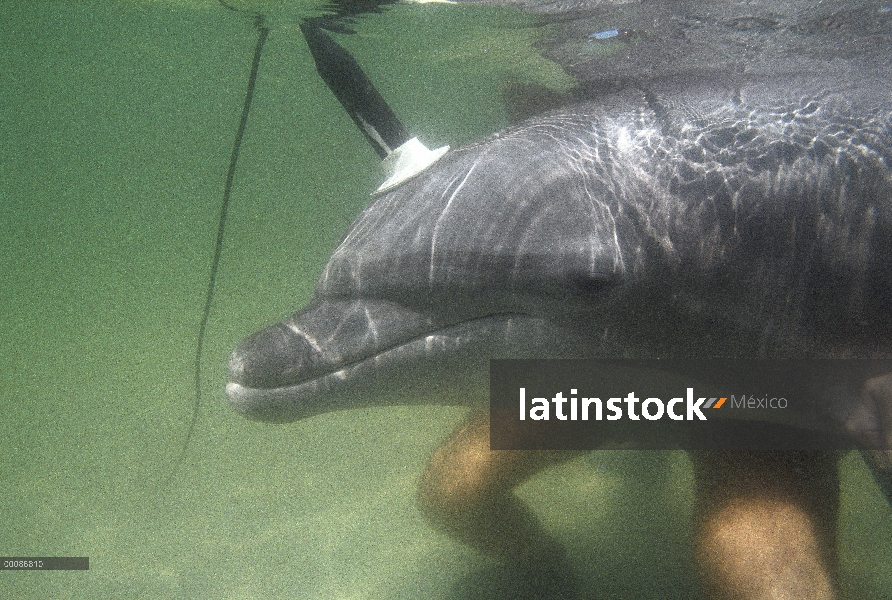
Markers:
(463, 264)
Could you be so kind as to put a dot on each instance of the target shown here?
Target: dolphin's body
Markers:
(678, 220)
(739, 206)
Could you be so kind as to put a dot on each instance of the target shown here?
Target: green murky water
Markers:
(116, 125)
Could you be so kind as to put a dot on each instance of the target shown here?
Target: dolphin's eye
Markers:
(588, 285)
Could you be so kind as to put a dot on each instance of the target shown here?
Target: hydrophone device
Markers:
(403, 156)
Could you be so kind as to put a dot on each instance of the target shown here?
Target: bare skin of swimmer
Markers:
(765, 521)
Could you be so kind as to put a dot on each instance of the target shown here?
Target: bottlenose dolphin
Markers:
(732, 201)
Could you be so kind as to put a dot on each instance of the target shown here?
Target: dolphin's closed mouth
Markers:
(309, 364)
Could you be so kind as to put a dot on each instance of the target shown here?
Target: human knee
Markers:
(757, 524)
(456, 481)
(763, 548)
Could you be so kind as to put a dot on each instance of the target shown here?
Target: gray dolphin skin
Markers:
(719, 185)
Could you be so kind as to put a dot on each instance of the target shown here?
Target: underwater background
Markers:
(117, 120)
